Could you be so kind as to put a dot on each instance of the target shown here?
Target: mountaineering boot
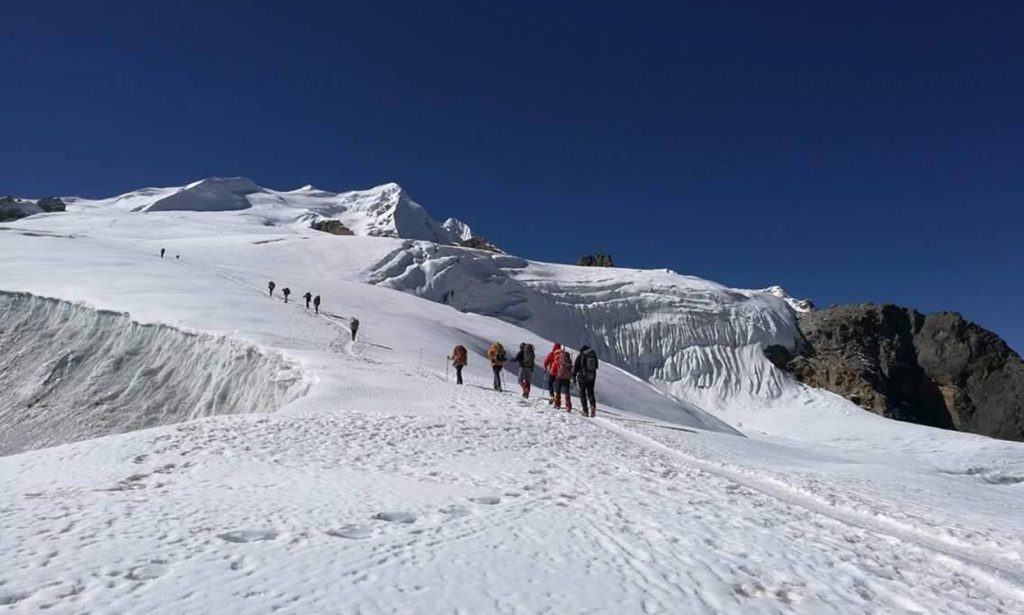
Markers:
(557, 400)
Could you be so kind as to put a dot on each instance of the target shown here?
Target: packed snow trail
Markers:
(467, 501)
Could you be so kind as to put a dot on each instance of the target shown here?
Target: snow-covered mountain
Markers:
(382, 211)
(213, 449)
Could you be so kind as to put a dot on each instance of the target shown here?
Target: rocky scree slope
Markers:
(936, 369)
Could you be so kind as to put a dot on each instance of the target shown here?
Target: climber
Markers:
(563, 364)
(271, 286)
(496, 355)
(526, 359)
(585, 370)
(551, 366)
(354, 327)
(308, 297)
(459, 359)
(316, 303)
(162, 250)
(286, 291)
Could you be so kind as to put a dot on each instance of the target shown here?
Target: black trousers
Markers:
(587, 393)
(497, 377)
(458, 374)
(551, 385)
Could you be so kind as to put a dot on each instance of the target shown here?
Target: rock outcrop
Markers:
(12, 208)
(937, 369)
(51, 204)
(595, 260)
(334, 227)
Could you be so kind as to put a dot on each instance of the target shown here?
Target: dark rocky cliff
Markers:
(935, 369)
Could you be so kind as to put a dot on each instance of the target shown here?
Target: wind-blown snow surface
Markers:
(385, 488)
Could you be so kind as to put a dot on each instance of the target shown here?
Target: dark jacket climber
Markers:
(526, 358)
(271, 286)
(585, 370)
(308, 297)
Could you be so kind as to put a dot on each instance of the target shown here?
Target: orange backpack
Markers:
(459, 355)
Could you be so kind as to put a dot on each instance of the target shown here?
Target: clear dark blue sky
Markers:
(868, 151)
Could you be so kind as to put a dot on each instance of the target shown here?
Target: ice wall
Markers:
(70, 373)
(697, 340)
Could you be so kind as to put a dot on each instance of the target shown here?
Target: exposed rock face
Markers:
(479, 243)
(936, 369)
(12, 208)
(334, 227)
(595, 260)
(51, 204)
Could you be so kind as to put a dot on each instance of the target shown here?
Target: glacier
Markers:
(199, 446)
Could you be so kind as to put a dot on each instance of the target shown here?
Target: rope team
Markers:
(353, 322)
(558, 364)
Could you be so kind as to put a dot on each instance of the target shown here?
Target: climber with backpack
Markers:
(526, 358)
(308, 297)
(459, 358)
(286, 291)
(563, 362)
(496, 355)
(585, 370)
(551, 367)
(271, 286)
(316, 304)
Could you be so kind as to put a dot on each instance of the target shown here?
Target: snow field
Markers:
(485, 504)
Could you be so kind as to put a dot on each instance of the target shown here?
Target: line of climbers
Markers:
(558, 364)
(353, 322)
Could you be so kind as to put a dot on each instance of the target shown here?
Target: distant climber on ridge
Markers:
(496, 355)
(162, 251)
(459, 360)
(271, 286)
(585, 370)
(286, 291)
(526, 358)
(551, 367)
(354, 327)
(316, 304)
(308, 297)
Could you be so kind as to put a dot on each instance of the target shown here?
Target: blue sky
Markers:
(850, 152)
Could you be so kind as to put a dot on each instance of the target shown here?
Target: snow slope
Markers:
(355, 477)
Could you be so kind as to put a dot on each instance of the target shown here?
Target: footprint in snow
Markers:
(395, 517)
(454, 510)
(147, 572)
(12, 597)
(489, 500)
(352, 532)
(248, 535)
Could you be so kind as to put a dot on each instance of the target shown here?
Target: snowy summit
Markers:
(176, 437)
